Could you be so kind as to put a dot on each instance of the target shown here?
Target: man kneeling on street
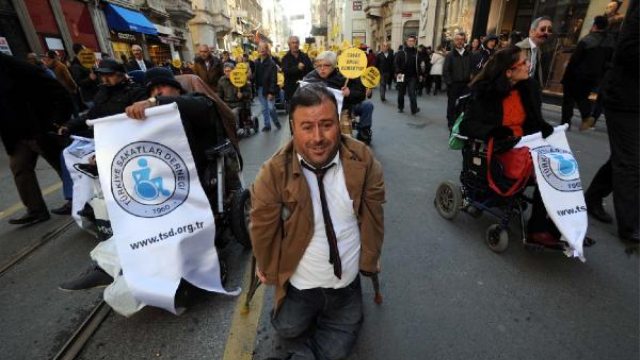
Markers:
(316, 221)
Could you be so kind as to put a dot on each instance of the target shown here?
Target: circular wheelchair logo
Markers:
(559, 168)
(149, 179)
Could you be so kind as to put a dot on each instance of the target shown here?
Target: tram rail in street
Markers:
(83, 333)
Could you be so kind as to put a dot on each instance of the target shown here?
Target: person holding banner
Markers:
(316, 226)
(353, 91)
(505, 104)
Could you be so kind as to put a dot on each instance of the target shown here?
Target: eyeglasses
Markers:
(325, 66)
(546, 29)
(519, 64)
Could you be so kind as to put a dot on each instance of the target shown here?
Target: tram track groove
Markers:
(84, 332)
(24, 253)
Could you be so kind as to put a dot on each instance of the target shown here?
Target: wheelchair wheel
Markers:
(240, 220)
(497, 238)
(448, 200)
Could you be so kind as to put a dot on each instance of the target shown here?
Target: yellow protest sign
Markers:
(313, 54)
(254, 56)
(370, 77)
(357, 42)
(321, 49)
(305, 48)
(345, 45)
(352, 63)
(237, 52)
(177, 63)
(335, 48)
(282, 53)
(280, 79)
(238, 78)
(87, 58)
(242, 67)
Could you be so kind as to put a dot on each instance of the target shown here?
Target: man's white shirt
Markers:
(141, 65)
(314, 269)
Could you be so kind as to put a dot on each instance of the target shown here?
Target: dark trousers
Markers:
(601, 185)
(436, 80)
(575, 95)
(454, 91)
(23, 162)
(408, 86)
(623, 129)
(326, 321)
(539, 220)
(385, 81)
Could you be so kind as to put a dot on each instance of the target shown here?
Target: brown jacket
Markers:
(212, 75)
(282, 211)
(64, 76)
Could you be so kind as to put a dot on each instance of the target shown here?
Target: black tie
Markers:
(334, 254)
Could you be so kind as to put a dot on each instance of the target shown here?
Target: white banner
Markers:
(559, 182)
(160, 215)
(79, 152)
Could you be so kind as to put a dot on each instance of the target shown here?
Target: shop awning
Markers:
(164, 30)
(121, 19)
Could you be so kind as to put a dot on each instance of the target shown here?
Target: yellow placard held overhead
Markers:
(282, 53)
(321, 49)
(237, 52)
(335, 48)
(357, 42)
(242, 67)
(254, 55)
(177, 63)
(280, 79)
(345, 45)
(313, 54)
(87, 58)
(370, 77)
(238, 78)
(352, 63)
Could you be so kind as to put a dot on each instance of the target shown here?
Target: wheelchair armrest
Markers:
(226, 148)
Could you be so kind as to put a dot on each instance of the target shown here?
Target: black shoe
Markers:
(596, 210)
(93, 277)
(383, 99)
(63, 210)
(266, 128)
(400, 110)
(30, 219)
(632, 237)
(277, 124)
(415, 112)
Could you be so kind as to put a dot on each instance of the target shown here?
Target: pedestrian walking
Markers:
(407, 72)
(384, 63)
(208, 67)
(267, 86)
(480, 57)
(621, 174)
(138, 62)
(316, 226)
(295, 65)
(456, 73)
(32, 106)
(437, 63)
(539, 31)
(585, 71)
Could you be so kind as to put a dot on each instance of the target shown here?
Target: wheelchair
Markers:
(249, 124)
(475, 197)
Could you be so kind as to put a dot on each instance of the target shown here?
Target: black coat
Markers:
(621, 83)
(357, 91)
(385, 64)
(292, 74)
(407, 62)
(133, 65)
(479, 59)
(80, 74)
(483, 115)
(589, 61)
(266, 76)
(31, 102)
(457, 68)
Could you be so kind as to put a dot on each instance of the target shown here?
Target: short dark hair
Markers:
(77, 47)
(311, 95)
(600, 22)
(51, 54)
(412, 36)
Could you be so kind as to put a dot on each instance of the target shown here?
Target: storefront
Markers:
(44, 22)
(79, 23)
(128, 27)
(12, 39)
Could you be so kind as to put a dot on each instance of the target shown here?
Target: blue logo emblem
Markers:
(559, 168)
(149, 179)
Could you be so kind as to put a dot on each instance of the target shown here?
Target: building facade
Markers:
(392, 21)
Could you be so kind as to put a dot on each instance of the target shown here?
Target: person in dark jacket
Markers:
(621, 174)
(208, 67)
(384, 63)
(32, 105)
(354, 92)
(407, 72)
(231, 95)
(295, 65)
(504, 87)
(138, 62)
(480, 57)
(456, 73)
(85, 78)
(585, 71)
(267, 86)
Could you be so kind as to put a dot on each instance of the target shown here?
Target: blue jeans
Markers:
(268, 109)
(333, 315)
(67, 183)
(365, 111)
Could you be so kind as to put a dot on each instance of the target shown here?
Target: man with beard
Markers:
(310, 240)
(540, 30)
